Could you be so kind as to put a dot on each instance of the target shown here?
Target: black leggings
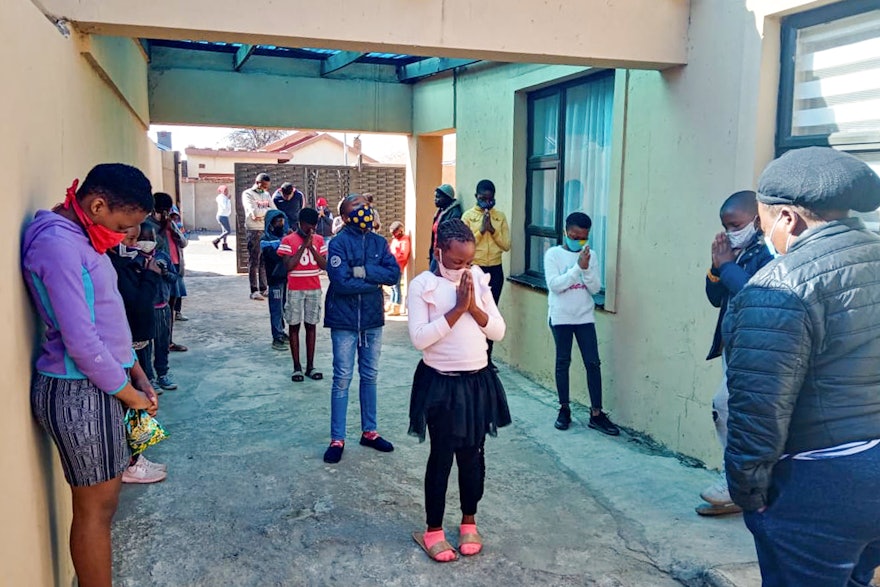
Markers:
(471, 468)
(496, 284)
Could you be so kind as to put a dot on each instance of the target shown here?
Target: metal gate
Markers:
(387, 183)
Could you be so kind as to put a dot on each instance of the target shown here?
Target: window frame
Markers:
(530, 276)
(790, 25)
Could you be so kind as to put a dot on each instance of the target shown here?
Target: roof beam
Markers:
(338, 61)
(241, 56)
(428, 67)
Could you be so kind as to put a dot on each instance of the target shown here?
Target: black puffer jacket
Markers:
(803, 353)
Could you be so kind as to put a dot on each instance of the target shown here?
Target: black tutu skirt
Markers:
(477, 402)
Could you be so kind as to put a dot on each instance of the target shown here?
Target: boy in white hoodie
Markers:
(572, 278)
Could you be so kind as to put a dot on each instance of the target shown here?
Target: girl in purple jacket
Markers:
(86, 373)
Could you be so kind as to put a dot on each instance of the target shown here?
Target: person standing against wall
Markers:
(256, 202)
(86, 374)
(737, 254)
(447, 209)
(492, 236)
(224, 211)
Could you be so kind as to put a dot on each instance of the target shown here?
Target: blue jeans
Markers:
(277, 296)
(822, 527)
(367, 344)
(395, 293)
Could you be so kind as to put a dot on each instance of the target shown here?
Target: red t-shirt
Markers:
(307, 275)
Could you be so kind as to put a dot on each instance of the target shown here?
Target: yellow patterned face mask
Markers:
(362, 218)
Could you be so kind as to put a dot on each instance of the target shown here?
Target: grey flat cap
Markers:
(820, 178)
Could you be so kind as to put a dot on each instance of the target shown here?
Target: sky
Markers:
(386, 148)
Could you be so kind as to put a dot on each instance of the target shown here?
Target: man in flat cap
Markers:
(802, 342)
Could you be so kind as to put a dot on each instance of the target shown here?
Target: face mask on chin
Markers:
(453, 275)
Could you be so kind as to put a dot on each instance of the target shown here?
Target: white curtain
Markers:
(588, 119)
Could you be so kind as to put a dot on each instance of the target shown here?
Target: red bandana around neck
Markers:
(101, 237)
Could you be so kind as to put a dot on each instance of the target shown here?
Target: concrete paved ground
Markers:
(249, 501)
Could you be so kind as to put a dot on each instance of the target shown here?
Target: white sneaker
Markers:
(140, 473)
(256, 296)
(717, 494)
(152, 465)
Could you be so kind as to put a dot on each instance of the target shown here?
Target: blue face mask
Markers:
(574, 245)
(486, 204)
(768, 241)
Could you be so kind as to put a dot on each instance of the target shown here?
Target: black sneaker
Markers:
(279, 345)
(563, 420)
(333, 454)
(378, 443)
(604, 425)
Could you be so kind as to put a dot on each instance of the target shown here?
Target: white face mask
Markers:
(147, 246)
(453, 275)
(740, 238)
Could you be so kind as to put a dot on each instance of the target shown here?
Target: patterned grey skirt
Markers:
(86, 425)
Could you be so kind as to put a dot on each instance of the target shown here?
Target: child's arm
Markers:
(495, 327)
(559, 276)
(422, 331)
(386, 271)
(341, 274)
(733, 277)
(57, 274)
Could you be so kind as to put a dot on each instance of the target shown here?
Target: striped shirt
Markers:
(307, 274)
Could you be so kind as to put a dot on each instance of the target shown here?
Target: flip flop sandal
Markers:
(470, 538)
(314, 375)
(439, 547)
(297, 376)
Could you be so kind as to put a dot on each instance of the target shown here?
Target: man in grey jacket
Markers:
(802, 342)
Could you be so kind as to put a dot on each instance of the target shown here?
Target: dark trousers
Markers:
(154, 357)
(256, 269)
(277, 299)
(822, 527)
(496, 283)
(471, 468)
(589, 345)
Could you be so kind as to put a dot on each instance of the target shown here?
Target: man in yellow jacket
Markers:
(492, 232)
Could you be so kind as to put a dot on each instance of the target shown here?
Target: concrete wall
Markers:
(59, 118)
(225, 164)
(684, 139)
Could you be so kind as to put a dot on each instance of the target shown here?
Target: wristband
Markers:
(712, 277)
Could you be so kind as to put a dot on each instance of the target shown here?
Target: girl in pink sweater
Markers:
(455, 395)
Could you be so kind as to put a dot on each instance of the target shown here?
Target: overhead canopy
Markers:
(647, 34)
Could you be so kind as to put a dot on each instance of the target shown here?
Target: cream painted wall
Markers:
(224, 164)
(685, 139)
(323, 152)
(58, 118)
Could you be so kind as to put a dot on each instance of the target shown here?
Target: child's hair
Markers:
(453, 230)
(746, 201)
(308, 215)
(121, 186)
(394, 226)
(162, 202)
(578, 220)
(262, 177)
(286, 188)
(147, 229)
(485, 185)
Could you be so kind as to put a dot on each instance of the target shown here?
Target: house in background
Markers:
(206, 169)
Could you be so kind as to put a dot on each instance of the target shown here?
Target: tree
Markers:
(251, 139)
